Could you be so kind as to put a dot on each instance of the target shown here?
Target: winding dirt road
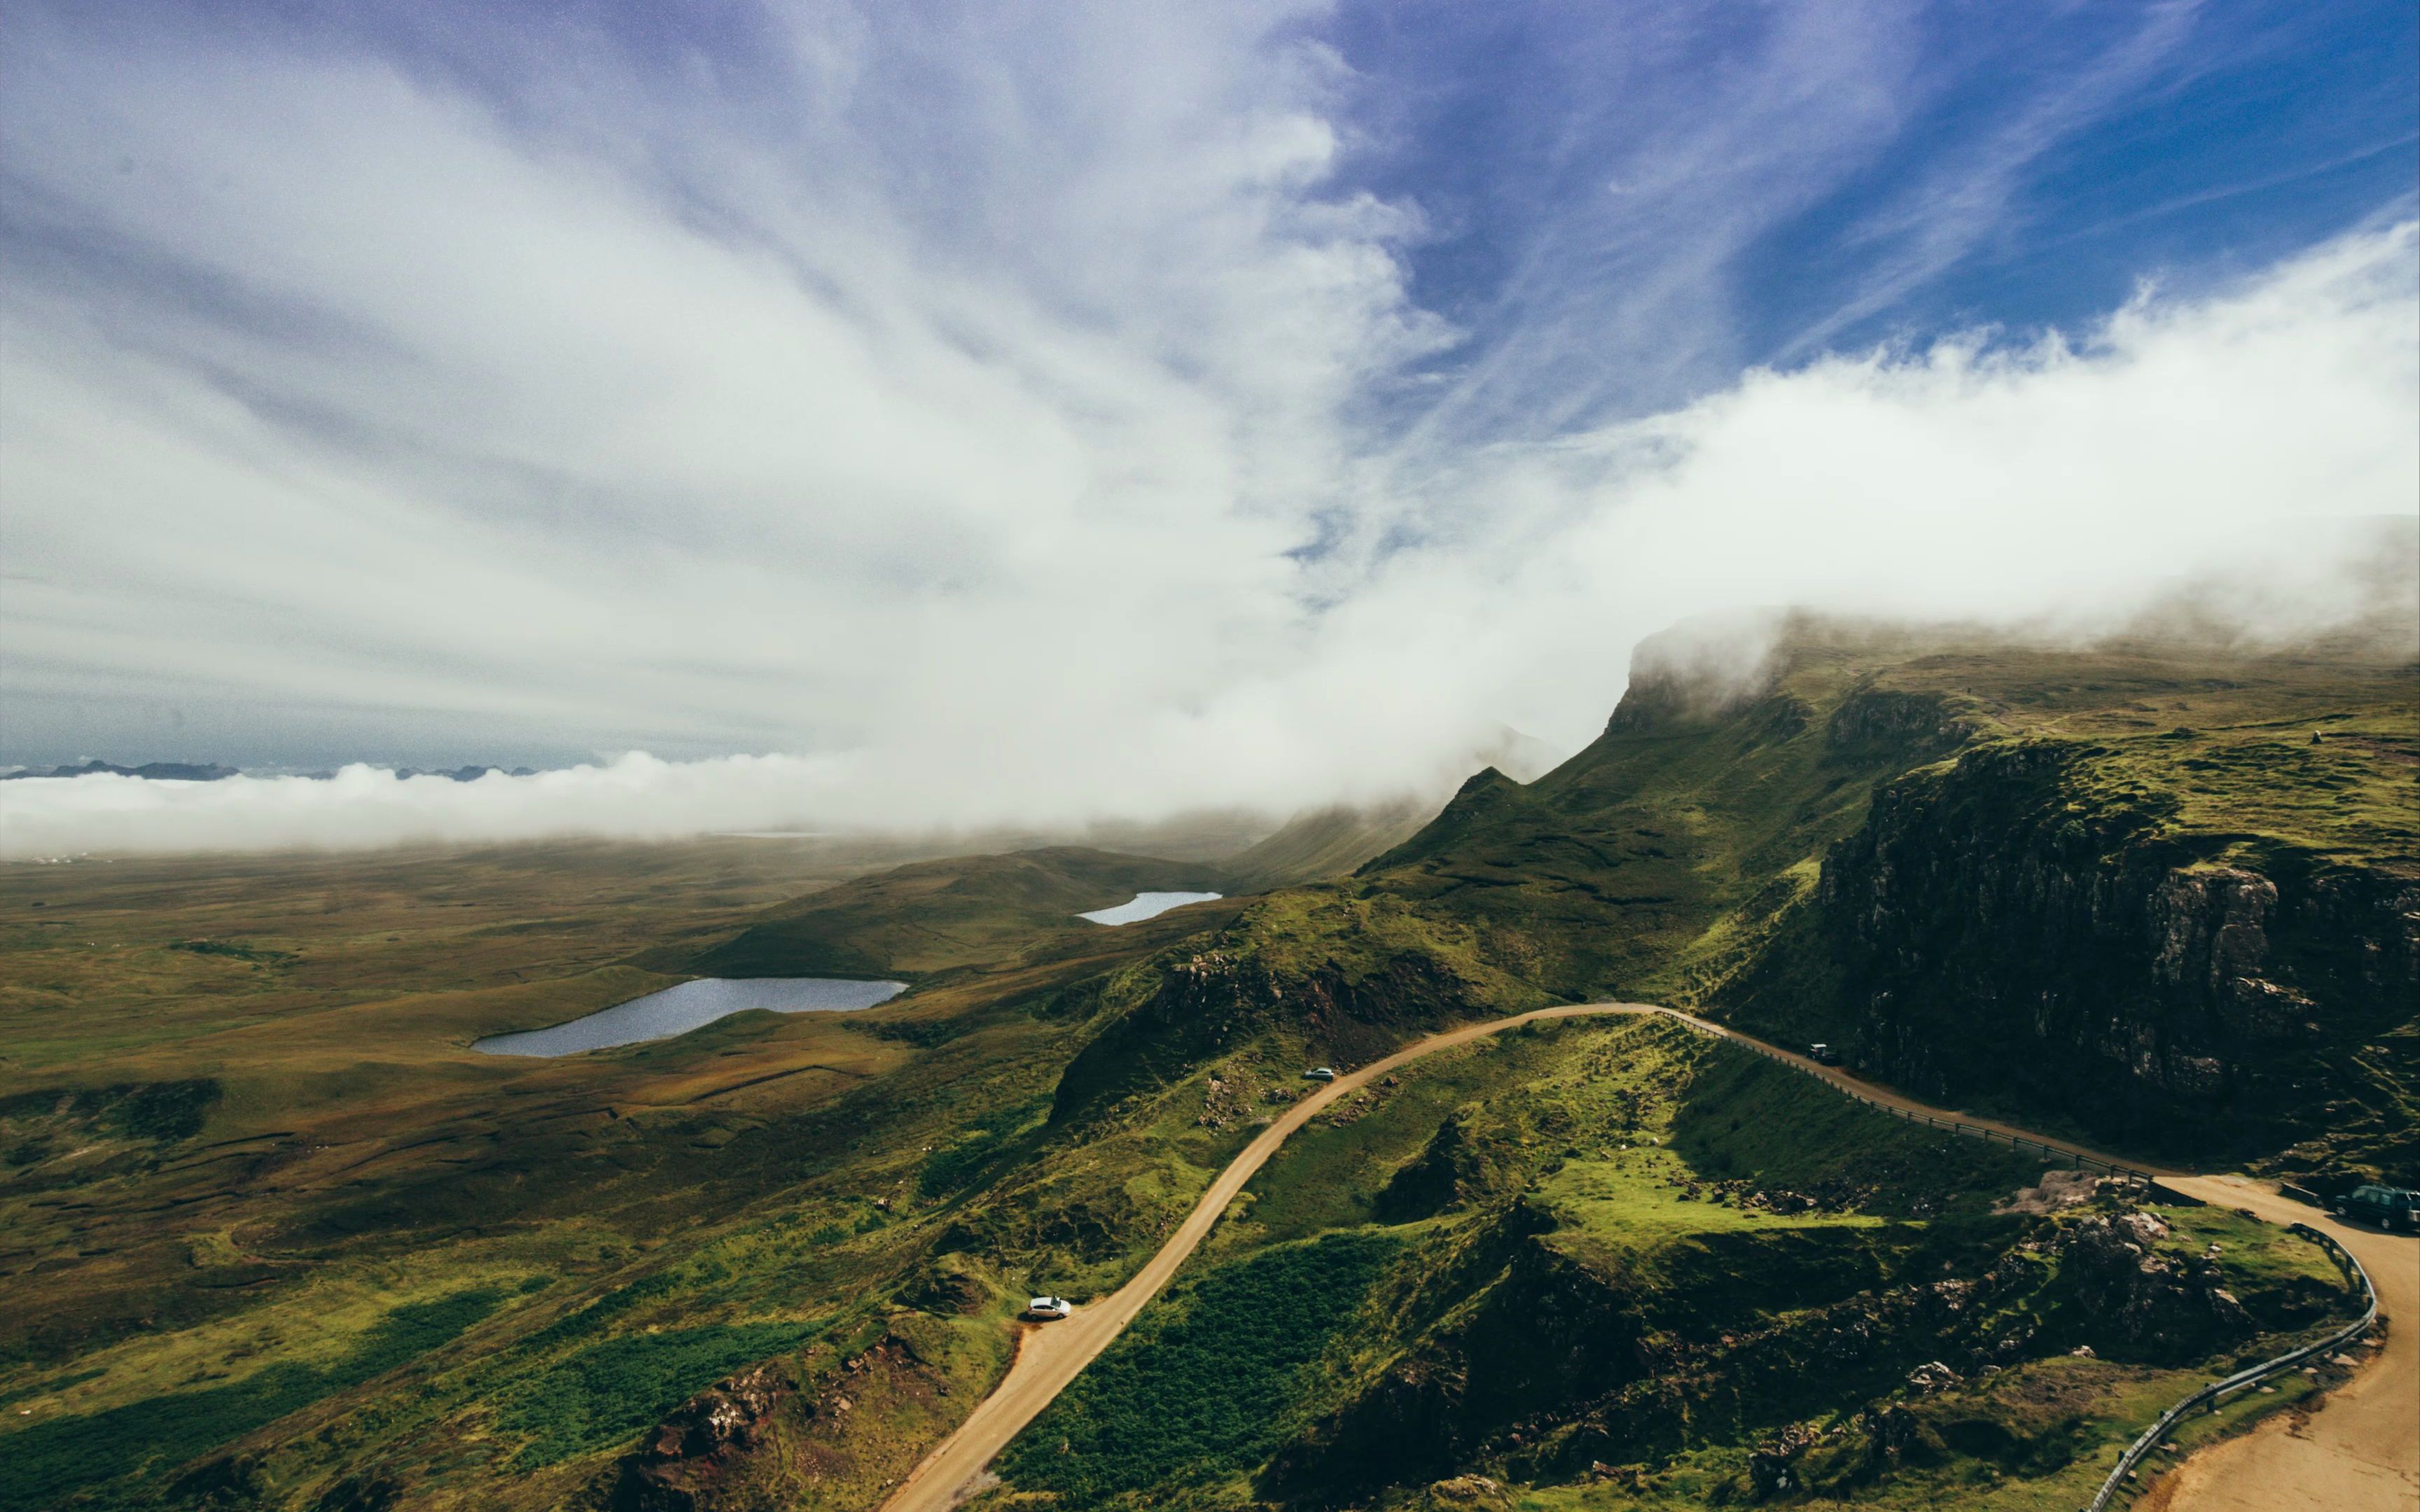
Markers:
(2360, 1450)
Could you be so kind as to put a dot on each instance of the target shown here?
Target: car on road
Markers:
(1822, 1054)
(2391, 1208)
(1320, 1073)
(1043, 1309)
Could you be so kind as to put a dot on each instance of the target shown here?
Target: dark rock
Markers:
(1893, 1432)
(2170, 1307)
(1910, 724)
(682, 1457)
(2002, 926)
(230, 1482)
(360, 1493)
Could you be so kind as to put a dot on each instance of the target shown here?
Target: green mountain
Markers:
(2159, 893)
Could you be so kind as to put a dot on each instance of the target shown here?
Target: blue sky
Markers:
(1221, 404)
(1885, 173)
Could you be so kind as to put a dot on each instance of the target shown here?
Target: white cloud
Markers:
(634, 797)
(338, 387)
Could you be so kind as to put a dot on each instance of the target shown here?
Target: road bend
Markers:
(2361, 1452)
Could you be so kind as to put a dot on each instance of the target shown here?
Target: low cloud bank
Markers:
(2241, 465)
(1095, 498)
(634, 797)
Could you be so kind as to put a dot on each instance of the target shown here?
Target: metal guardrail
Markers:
(2208, 1396)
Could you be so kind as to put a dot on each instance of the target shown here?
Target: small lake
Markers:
(679, 1009)
(1147, 905)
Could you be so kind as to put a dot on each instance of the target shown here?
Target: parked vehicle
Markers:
(2390, 1208)
(1043, 1309)
(1822, 1054)
(1320, 1073)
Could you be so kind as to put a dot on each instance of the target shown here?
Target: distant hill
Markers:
(459, 774)
(1325, 842)
(156, 771)
(937, 916)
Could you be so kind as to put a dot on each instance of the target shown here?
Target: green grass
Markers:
(194, 1229)
(1331, 1175)
(1198, 1391)
(1603, 1284)
(1631, 1198)
(51, 1460)
(2040, 1438)
(939, 916)
(1747, 1115)
(983, 1144)
(611, 1390)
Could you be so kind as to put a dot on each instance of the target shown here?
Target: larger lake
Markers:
(679, 1009)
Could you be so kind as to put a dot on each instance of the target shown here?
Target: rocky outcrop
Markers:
(1877, 719)
(829, 1427)
(2166, 1306)
(2003, 926)
(683, 1459)
(1468, 1493)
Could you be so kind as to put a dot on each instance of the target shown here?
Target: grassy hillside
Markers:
(1654, 1270)
(1324, 843)
(939, 915)
(278, 1236)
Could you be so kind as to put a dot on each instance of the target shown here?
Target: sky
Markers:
(916, 414)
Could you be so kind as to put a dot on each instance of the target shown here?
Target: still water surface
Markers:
(1144, 906)
(679, 1009)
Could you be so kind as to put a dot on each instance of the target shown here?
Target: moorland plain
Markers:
(250, 1146)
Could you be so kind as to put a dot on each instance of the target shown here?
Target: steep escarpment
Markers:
(2046, 922)
(2168, 894)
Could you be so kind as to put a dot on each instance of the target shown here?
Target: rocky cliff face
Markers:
(2004, 925)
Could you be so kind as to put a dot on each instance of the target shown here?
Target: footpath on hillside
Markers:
(2359, 1451)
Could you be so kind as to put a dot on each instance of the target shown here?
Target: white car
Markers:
(1320, 1073)
(1045, 1308)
